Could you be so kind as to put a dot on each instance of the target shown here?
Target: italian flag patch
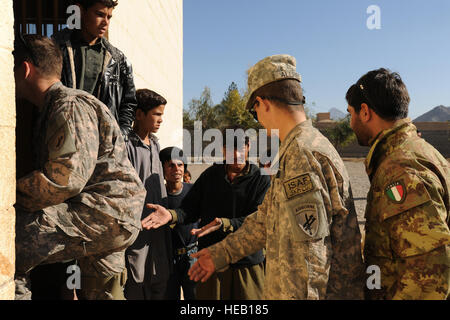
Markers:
(396, 192)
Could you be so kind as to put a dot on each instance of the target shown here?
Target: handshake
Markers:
(204, 267)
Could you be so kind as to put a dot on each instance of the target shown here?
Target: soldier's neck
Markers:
(37, 96)
(289, 121)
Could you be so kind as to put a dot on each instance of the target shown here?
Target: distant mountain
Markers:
(439, 113)
(336, 114)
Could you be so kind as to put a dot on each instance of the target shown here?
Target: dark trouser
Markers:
(180, 279)
(149, 264)
(235, 283)
(40, 241)
(48, 282)
(154, 290)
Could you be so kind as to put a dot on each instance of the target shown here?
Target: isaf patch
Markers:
(298, 186)
(307, 218)
(396, 192)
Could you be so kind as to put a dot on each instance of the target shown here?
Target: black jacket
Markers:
(117, 90)
(214, 196)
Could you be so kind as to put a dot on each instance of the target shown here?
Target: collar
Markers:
(49, 94)
(243, 173)
(77, 39)
(386, 142)
(136, 140)
(289, 138)
(176, 193)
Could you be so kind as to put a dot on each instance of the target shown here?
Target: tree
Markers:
(201, 110)
(188, 123)
(341, 134)
(231, 110)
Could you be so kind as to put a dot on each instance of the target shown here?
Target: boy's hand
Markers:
(210, 227)
(157, 219)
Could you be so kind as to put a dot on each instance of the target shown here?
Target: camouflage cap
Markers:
(271, 69)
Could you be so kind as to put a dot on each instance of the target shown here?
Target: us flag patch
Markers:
(396, 192)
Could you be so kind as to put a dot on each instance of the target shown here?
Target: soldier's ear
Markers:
(26, 69)
(263, 103)
(365, 114)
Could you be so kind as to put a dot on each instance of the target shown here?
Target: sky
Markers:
(330, 40)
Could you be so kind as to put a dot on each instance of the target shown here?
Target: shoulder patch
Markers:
(396, 192)
(298, 186)
(61, 143)
(406, 192)
(56, 143)
(307, 218)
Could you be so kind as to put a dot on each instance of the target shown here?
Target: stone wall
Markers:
(7, 151)
(150, 33)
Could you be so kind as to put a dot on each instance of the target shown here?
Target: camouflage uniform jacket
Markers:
(81, 160)
(306, 222)
(407, 216)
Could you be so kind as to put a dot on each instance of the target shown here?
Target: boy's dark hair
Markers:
(238, 139)
(172, 153)
(86, 4)
(39, 50)
(148, 100)
(383, 91)
(283, 92)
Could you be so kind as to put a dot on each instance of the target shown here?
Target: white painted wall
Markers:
(150, 34)
(7, 151)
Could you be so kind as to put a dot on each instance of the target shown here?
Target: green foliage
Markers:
(231, 111)
(201, 110)
(188, 123)
(341, 134)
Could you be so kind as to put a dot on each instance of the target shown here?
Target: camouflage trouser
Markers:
(101, 257)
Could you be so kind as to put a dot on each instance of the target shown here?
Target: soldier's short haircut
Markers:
(383, 91)
(86, 4)
(148, 100)
(39, 50)
(282, 92)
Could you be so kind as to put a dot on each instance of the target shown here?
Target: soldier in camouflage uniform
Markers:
(407, 214)
(307, 221)
(84, 199)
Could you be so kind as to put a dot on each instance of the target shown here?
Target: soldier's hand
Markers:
(157, 219)
(203, 268)
(210, 227)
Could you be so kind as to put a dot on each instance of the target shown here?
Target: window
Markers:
(40, 16)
